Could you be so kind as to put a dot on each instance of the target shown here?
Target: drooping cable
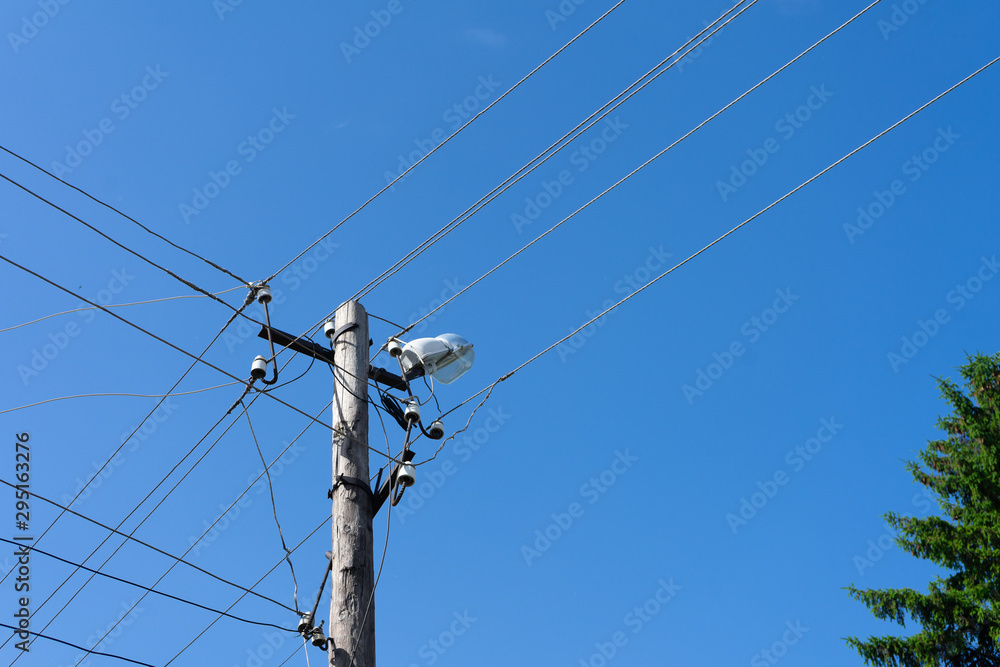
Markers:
(274, 507)
(120, 305)
(66, 398)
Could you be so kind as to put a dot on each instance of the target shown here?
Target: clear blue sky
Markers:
(691, 480)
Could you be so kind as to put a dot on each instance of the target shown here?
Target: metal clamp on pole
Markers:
(350, 481)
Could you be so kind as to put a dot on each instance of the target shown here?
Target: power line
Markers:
(117, 305)
(170, 273)
(565, 140)
(488, 389)
(449, 138)
(643, 165)
(129, 218)
(76, 646)
(145, 588)
(66, 398)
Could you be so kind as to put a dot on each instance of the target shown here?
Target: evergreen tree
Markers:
(959, 615)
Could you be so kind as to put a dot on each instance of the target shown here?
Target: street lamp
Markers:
(445, 358)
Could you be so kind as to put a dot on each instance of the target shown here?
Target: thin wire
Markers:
(118, 305)
(312, 359)
(555, 148)
(489, 389)
(642, 166)
(76, 646)
(145, 544)
(175, 347)
(66, 398)
(382, 319)
(453, 135)
(108, 206)
(145, 588)
(430, 387)
(126, 440)
(274, 508)
(285, 661)
(266, 574)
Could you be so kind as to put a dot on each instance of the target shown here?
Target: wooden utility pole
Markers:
(352, 563)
